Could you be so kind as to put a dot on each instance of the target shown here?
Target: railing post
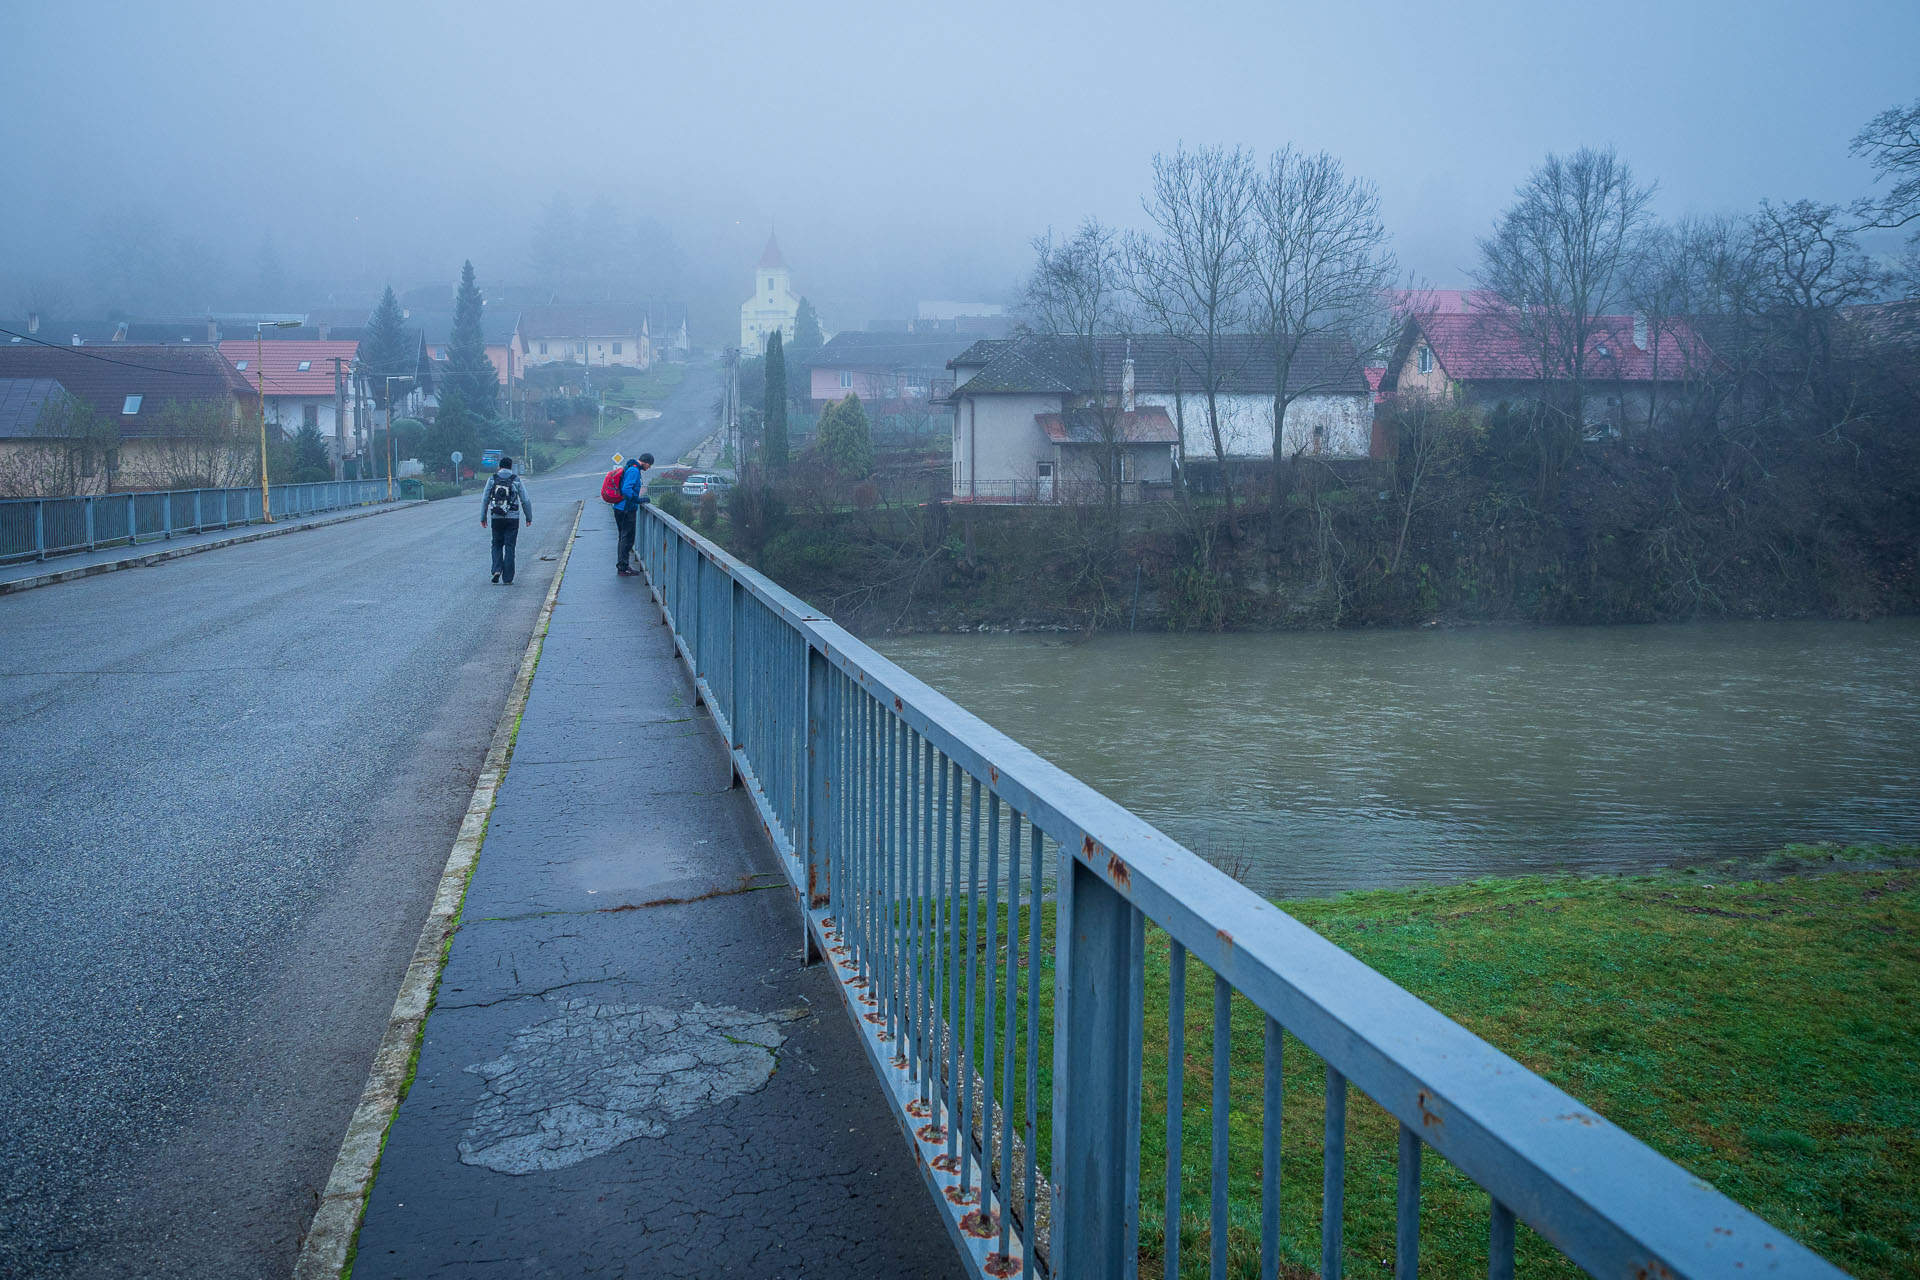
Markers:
(819, 797)
(1094, 1077)
(133, 522)
(735, 703)
(86, 505)
(39, 531)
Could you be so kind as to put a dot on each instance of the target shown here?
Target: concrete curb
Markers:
(174, 553)
(323, 1250)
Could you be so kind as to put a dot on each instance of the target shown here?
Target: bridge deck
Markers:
(628, 1071)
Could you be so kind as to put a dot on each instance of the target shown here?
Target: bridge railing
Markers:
(35, 528)
(925, 845)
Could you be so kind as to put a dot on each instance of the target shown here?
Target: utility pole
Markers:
(339, 421)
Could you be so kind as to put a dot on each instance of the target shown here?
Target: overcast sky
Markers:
(904, 151)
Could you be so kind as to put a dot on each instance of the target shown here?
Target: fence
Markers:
(35, 528)
(925, 846)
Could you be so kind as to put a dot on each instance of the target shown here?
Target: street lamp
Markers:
(391, 379)
(260, 371)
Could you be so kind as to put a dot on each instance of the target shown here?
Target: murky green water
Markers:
(1355, 760)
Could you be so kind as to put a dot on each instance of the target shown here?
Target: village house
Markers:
(305, 383)
(596, 334)
(77, 420)
(888, 371)
(774, 305)
(1479, 354)
(1029, 426)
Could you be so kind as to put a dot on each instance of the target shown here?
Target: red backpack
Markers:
(610, 487)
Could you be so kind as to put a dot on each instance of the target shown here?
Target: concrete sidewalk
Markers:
(627, 1071)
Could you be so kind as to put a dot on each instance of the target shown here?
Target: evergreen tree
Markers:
(452, 428)
(469, 372)
(311, 462)
(807, 335)
(773, 443)
(846, 438)
(385, 351)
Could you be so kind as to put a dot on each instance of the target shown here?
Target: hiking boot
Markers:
(496, 577)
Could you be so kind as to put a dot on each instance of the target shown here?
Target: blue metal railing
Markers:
(35, 528)
(924, 843)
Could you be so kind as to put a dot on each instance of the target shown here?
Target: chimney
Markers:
(325, 329)
(213, 329)
(1126, 385)
(33, 322)
(76, 340)
(1639, 331)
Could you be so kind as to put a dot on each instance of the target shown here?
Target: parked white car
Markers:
(704, 482)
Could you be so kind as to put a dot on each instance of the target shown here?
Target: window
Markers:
(846, 377)
(310, 416)
(543, 348)
(1126, 466)
(241, 365)
(580, 348)
(305, 365)
(616, 348)
(132, 405)
(1426, 359)
(83, 459)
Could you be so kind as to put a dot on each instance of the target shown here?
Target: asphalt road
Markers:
(227, 786)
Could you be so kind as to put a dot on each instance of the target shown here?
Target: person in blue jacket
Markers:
(626, 512)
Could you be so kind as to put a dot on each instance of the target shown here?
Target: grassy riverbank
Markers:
(1759, 1026)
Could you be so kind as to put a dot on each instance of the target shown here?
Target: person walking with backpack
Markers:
(503, 505)
(626, 512)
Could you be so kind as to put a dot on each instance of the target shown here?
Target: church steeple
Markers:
(772, 258)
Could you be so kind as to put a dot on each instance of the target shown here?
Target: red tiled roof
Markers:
(1150, 425)
(283, 359)
(1485, 346)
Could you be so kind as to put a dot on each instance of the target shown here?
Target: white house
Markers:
(1030, 410)
(593, 333)
(300, 383)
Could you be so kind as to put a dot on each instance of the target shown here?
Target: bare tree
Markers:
(1808, 267)
(1191, 278)
(1430, 435)
(1891, 144)
(200, 444)
(1558, 257)
(1077, 296)
(69, 452)
(1321, 272)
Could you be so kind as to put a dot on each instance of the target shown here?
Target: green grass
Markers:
(650, 388)
(1762, 1032)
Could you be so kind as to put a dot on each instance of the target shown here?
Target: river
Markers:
(1318, 762)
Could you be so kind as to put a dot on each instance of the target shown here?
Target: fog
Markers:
(178, 157)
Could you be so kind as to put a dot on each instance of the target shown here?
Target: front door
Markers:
(1043, 490)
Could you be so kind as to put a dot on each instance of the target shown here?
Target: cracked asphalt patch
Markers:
(596, 1075)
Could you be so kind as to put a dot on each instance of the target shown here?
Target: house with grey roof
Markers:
(1045, 418)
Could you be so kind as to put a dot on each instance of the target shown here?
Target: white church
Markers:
(774, 305)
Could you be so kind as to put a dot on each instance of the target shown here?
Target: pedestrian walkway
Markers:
(627, 1070)
(20, 574)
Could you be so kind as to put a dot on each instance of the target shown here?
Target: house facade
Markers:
(306, 383)
(153, 417)
(1032, 413)
(596, 334)
(883, 369)
(774, 305)
(1638, 374)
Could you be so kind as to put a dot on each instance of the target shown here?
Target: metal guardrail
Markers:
(35, 528)
(924, 843)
